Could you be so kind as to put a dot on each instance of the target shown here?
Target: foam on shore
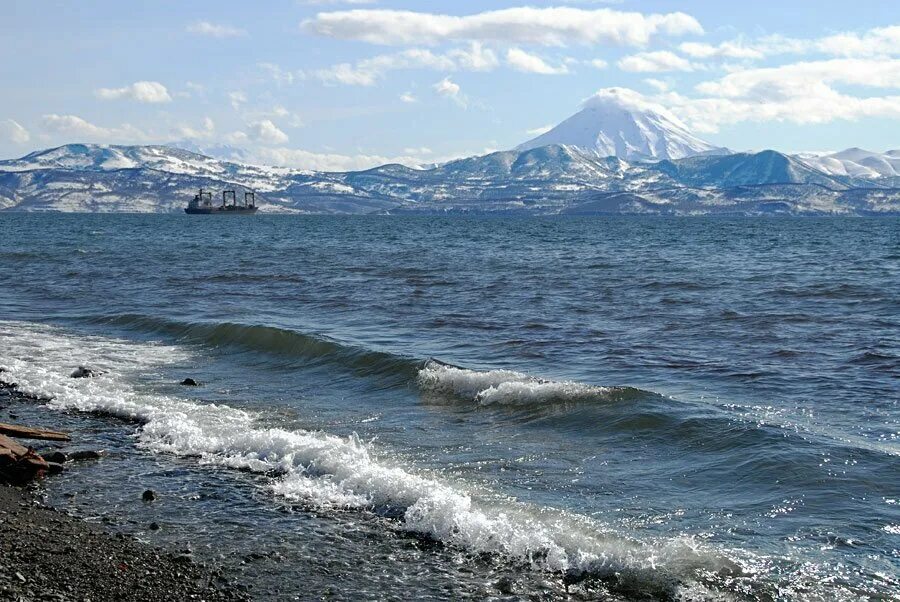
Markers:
(327, 471)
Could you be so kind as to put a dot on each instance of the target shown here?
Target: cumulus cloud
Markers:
(368, 71)
(598, 64)
(657, 84)
(451, 90)
(520, 60)
(795, 79)
(236, 98)
(204, 132)
(150, 92)
(266, 132)
(12, 131)
(215, 30)
(77, 128)
(654, 62)
(408, 98)
(523, 25)
(803, 93)
(878, 41)
(730, 50)
(281, 77)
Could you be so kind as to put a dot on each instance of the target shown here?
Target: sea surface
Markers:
(428, 408)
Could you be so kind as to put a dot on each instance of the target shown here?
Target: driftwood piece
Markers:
(24, 432)
(14, 447)
(18, 464)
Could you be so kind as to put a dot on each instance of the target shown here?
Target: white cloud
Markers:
(77, 128)
(237, 98)
(266, 132)
(475, 58)
(523, 25)
(274, 112)
(445, 87)
(215, 30)
(540, 130)
(12, 131)
(280, 76)
(205, 132)
(451, 90)
(598, 64)
(796, 78)
(657, 84)
(654, 62)
(520, 60)
(878, 41)
(731, 50)
(408, 98)
(150, 92)
(368, 71)
(802, 93)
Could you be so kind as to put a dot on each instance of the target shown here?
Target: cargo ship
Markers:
(202, 204)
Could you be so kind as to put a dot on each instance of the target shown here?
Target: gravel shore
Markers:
(49, 555)
(46, 554)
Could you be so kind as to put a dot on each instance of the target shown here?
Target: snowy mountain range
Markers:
(545, 180)
(614, 156)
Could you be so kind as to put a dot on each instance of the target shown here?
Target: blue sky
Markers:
(338, 85)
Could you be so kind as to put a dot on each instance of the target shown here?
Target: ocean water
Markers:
(475, 408)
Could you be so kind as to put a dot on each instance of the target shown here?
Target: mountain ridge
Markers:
(551, 179)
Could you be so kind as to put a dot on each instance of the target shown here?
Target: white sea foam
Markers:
(325, 470)
(507, 387)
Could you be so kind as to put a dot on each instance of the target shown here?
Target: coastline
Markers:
(48, 554)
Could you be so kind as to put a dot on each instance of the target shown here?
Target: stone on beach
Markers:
(84, 372)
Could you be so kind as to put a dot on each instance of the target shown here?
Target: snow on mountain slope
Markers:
(746, 169)
(857, 163)
(544, 180)
(619, 122)
(102, 157)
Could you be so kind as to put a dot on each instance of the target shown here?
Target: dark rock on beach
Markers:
(83, 372)
(48, 555)
(85, 454)
(55, 456)
(149, 495)
(190, 382)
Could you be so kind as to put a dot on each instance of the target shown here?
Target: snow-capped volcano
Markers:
(620, 122)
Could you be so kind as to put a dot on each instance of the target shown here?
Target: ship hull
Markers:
(227, 210)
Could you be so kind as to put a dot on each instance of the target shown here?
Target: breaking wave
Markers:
(433, 377)
(328, 471)
(508, 387)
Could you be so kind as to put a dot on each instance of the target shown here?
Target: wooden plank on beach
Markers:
(14, 447)
(25, 432)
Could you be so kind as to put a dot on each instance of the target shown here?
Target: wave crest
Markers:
(508, 387)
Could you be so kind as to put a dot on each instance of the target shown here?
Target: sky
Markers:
(337, 85)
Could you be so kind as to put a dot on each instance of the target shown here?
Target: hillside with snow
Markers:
(553, 179)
